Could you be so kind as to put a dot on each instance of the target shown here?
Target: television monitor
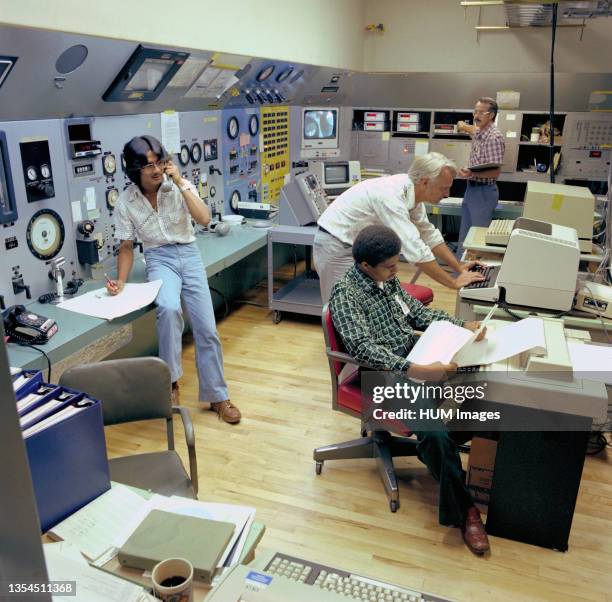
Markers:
(320, 127)
(336, 173)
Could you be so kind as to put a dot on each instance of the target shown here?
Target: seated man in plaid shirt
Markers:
(375, 318)
(488, 147)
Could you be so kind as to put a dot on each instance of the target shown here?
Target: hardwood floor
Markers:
(278, 377)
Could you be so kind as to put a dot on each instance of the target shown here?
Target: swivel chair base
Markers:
(380, 445)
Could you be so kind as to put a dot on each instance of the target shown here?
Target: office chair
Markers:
(423, 293)
(346, 397)
(140, 389)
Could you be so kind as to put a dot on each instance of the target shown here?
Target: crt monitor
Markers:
(320, 127)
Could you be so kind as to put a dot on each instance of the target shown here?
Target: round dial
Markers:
(234, 200)
(109, 164)
(253, 125)
(45, 234)
(32, 173)
(265, 73)
(45, 171)
(112, 194)
(284, 74)
(196, 152)
(184, 155)
(233, 128)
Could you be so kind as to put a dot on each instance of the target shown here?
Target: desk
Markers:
(452, 206)
(303, 294)
(82, 339)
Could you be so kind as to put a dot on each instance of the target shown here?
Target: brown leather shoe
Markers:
(176, 399)
(227, 411)
(474, 533)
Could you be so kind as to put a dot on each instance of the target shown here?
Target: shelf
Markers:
(527, 143)
(410, 134)
(458, 136)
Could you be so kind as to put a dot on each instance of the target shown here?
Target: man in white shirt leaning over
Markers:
(397, 202)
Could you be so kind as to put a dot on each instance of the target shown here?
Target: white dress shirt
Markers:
(170, 224)
(387, 201)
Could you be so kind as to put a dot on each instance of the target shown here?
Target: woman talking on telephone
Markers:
(157, 209)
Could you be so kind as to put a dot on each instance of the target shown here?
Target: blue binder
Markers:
(68, 463)
(34, 378)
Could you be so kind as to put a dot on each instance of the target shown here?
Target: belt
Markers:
(479, 183)
(322, 229)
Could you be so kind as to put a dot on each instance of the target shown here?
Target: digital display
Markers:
(336, 174)
(320, 124)
(149, 74)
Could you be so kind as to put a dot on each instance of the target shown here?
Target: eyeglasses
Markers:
(152, 166)
(480, 112)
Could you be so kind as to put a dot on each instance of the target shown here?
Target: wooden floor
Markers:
(278, 376)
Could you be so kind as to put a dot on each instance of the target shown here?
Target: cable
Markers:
(225, 303)
(23, 344)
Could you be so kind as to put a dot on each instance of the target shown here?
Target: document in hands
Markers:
(445, 342)
(100, 304)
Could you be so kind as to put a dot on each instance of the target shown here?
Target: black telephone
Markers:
(23, 326)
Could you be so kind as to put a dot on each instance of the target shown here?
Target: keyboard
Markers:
(349, 585)
(489, 273)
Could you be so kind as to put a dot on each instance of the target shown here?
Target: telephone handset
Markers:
(23, 326)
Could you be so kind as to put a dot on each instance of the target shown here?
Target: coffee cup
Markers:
(173, 580)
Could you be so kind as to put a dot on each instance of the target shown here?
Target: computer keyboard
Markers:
(350, 585)
(489, 273)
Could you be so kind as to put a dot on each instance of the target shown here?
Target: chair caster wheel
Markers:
(318, 467)
(393, 505)
(277, 316)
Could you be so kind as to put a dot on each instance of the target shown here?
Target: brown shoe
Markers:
(474, 533)
(176, 399)
(227, 411)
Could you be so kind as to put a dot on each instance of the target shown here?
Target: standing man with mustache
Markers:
(488, 146)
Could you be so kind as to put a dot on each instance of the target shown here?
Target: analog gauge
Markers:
(233, 128)
(253, 125)
(296, 76)
(184, 155)
(265, 73)
(112, 194)
(109, 165)
(45, 234)
(45, 171)
(284, 74)
(196, 152)
(32, 173)
(234, 200)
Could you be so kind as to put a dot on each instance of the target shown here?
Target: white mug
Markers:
(173, 580)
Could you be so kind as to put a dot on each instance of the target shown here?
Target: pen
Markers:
(109, 281)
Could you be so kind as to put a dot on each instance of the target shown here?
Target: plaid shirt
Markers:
(377, 324)
(488, 146)
(170, 224)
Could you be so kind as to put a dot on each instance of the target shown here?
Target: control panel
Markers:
(275, 151)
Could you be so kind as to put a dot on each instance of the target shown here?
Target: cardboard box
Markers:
(480, 470)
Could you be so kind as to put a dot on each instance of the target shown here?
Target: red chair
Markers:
(346, 397)
(423, 293)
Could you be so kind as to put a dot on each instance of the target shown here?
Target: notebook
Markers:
(164, 535)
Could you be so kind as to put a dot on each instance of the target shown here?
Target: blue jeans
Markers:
(183, 277)
(477, 209)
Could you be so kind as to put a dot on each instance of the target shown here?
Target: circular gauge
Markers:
(284, 74)
(296, 76)
(112, 194)
(32, 173)
(253, 125)
(45, 234)
(184, 155)
(109, 164)
(45, 171)
(233, 128)
(196, 152)
(234, 200)
(265, 73)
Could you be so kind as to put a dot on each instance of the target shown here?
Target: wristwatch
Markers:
(184, 187)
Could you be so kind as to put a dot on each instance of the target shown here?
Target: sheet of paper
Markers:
(100, 304)
(439, 343)
(421, 147)
(594, 359)
(77, 212)
(504, 342)
(51, 420)
(92, 585)
(104, 523)
(239, 515)
(90, 198)
(171, 131)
